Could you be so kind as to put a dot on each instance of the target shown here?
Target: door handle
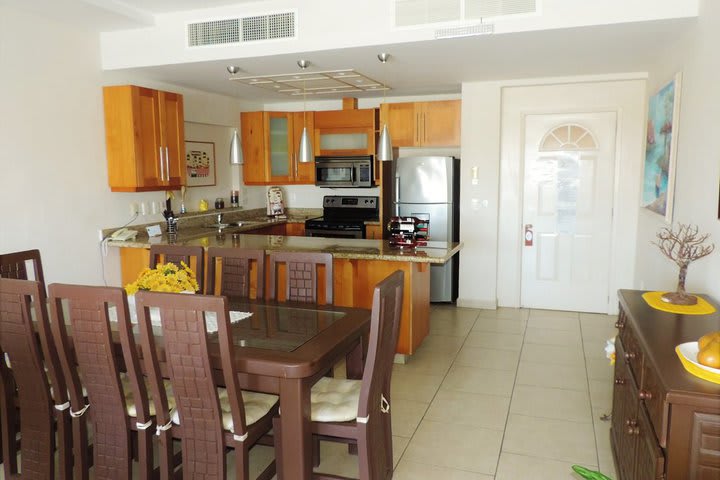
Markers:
(162, 170)
(529, 234)
(167, 163)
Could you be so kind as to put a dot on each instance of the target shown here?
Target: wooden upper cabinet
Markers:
(270, 142)
(144, 138)
(422, 124)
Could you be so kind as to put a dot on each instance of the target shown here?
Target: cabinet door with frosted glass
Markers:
(280, 150)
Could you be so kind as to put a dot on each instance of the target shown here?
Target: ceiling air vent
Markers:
(427, 12)
(240, 30)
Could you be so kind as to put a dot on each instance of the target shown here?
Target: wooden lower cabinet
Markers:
(665, 422)
(374, 232)
(353, 284)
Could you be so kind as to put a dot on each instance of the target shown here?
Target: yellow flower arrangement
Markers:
(166, 277)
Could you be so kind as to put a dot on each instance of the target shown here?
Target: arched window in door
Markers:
(568, 137)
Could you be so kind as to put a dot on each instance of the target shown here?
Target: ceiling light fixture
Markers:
(236, 156)
(384, 148)
(305, 154)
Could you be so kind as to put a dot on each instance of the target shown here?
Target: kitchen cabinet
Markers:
(665, 422)
(270, 142)
(374, 232)
(295, 229)
(144, 139)
(422, 124)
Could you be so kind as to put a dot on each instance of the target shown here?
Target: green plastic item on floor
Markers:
(589, 474)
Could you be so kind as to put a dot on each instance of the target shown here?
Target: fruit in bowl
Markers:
(709, 350)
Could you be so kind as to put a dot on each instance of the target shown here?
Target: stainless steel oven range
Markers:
(343, 217)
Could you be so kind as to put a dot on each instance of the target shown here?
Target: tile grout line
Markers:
(512, 393)
(587, 381)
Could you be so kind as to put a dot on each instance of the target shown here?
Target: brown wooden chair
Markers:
(358, 411)
(41, 393)
(193, 257)
(207, 420)
(13, 265)
(235, 271)
(301, 276)
(118, 404)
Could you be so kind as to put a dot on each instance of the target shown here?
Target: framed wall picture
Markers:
(200, 163)
(661, 149)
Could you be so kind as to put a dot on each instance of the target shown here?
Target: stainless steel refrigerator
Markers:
(429, 187)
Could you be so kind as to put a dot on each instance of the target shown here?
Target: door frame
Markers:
(523, 156)
(530, 100)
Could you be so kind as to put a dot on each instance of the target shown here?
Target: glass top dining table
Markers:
(284, 348)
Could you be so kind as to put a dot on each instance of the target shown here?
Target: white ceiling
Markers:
(419, 68)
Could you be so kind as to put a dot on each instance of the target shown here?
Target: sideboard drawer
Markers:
(633, 352)
(649, 459)
(653, 395)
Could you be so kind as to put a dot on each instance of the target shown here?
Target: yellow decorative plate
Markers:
(687, 353)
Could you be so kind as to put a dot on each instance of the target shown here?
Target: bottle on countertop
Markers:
(219, 203)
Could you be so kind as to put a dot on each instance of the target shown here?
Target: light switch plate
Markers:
(153, 230)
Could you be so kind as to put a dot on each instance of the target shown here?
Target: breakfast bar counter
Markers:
(358, 264)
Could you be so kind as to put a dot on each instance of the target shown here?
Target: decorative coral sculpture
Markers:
(683, 245)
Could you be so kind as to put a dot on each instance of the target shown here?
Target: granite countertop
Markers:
(193, 231)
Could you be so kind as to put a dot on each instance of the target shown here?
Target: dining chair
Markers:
(193, 257)
(37, 382)
(301, 276)
(208, 419)
(118, 405)
(13, 265)
(358, 411)
(235, 271)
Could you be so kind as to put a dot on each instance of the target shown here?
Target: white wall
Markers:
(54, 189)
(490, 213)
(698, 158)
(324, 24)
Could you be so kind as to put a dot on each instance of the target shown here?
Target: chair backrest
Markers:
(12, 265)
(235, 271)
(301, 278)
(180, 253)
(94, 360)
(375, 390)
(191, 374)
(29, 354)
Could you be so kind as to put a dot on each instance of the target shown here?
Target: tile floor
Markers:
(504, 395)
(496, 394)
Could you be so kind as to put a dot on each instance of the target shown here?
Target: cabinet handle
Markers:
(633, 430)
(645, 395)
(295, 160)
(619, 381)
(162, 170)
(630, 423)
(619, 325)
(629, 356)
(167, 163)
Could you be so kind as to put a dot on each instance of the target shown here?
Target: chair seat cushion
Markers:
(257, 405)
(130, 402)
(335, 400)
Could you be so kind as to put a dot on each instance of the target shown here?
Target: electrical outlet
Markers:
(154, 208)
(133, 208)
(143, 208)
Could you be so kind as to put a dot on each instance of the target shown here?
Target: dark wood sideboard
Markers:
(665, 421)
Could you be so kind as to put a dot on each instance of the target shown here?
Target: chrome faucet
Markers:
(219, 218)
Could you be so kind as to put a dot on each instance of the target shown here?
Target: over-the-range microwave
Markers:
(344, 171)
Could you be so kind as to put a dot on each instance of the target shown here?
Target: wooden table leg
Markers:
(296, 438)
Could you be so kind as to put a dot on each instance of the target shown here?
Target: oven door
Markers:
(352, 232)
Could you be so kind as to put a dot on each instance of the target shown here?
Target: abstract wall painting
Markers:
(661, 149)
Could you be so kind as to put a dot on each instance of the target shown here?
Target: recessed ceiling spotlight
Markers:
(233, 69)
(303, 64)
(383, 57)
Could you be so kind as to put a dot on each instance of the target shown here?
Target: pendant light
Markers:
(305, 154)
(236, 155)
(384, 147)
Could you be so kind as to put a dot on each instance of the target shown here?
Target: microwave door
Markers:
(335, 174)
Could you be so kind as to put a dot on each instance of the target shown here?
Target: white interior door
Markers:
(567, 210)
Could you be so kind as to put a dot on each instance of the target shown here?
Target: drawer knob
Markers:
(619, 381)
(630, 422)
(645, 395)
(629, 356)
(619, 325)
(633, 430)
